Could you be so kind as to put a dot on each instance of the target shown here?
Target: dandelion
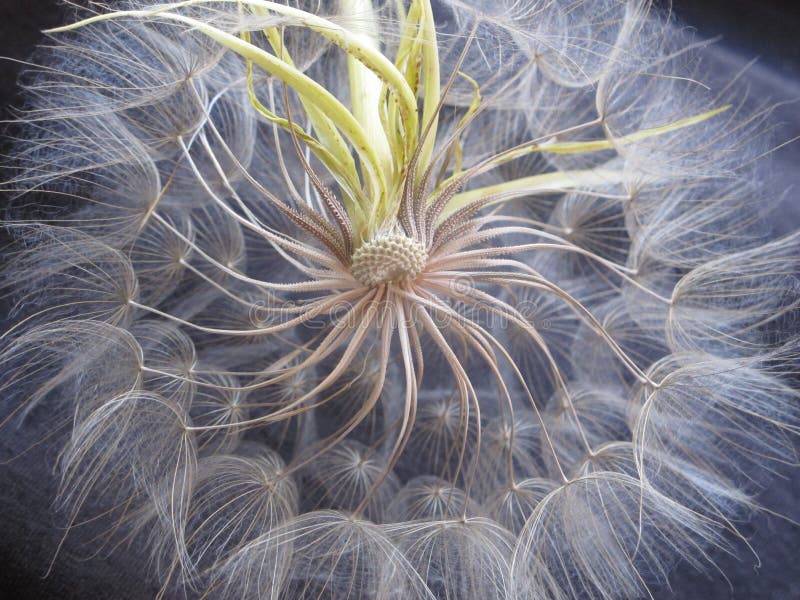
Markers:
(403, 300)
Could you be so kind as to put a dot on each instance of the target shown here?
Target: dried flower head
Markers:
(402, 300)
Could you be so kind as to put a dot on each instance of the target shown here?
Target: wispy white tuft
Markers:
(407, 300)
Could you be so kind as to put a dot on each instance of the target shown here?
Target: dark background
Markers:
(768, 29)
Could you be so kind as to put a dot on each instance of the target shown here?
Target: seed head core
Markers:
(387, 258)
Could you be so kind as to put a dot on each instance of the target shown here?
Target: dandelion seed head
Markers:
(419, 300)
(388, 258)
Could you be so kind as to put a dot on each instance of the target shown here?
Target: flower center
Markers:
(388, 258)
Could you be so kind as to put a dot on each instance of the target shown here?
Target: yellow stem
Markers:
(365, 87)
(606, 144)
(544, 183)
(329, 136)
(431, 92)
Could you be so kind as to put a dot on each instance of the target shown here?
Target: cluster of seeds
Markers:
(463, 300)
